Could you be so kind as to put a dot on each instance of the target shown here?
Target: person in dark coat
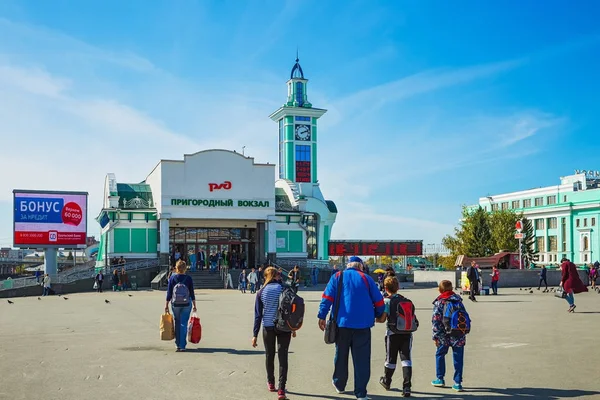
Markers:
(571, 283)
(473, 277)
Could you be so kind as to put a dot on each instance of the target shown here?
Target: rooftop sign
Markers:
(588, 173)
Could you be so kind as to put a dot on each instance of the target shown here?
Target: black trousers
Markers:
(545, 282)
(474, 290)
(394, 345)
(270, 336)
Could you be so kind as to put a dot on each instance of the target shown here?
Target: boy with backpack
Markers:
(450, 325)
(401, 323)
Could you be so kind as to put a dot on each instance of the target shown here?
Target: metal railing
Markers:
(71, 276)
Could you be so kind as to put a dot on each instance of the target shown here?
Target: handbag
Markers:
(331, 328)
(560, 293)
(194, 329)
(95, 285)
(167, 327)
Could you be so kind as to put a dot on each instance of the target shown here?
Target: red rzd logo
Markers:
(218, 186)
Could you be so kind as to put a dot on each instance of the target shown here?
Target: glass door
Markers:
(191, 256)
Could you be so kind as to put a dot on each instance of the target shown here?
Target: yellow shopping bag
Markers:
(167, 327)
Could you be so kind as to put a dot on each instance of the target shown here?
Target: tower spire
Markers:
(297, 57)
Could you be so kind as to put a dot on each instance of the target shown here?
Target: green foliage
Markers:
(528, 242)
(502, 225)
(481, 234)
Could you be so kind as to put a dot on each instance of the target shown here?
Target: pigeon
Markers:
(531, 291)
(130, 295)
(10, 302)
(39, 298)
(520, 288)
(106, 301)
(66, 298)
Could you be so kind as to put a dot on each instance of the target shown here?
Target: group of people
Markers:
(359, 305)
(256, 279)
(119, 280)
(214, 261)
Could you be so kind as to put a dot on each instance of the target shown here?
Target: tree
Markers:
(473, 236)
(528, 243)
(371, 261)
(385, 260)
(502, 226)
(70, 256)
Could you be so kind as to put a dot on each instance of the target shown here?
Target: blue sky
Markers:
(431, 104)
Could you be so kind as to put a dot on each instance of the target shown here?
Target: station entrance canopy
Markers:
(375, 248)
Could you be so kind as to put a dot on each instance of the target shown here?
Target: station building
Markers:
(222, 201)
(565, 216)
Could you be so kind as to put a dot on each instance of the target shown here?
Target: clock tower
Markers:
(297, 121)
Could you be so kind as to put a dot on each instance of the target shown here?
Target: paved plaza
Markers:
(522, 346)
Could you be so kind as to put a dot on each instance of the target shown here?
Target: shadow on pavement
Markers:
(343, 396)
(226, 350)
(512, 393)
(508, 301)
(587, 312)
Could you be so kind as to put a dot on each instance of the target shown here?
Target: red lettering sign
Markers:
(218, 186)
(375, 248)
(303, 171)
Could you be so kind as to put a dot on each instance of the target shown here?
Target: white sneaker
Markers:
(336, 389)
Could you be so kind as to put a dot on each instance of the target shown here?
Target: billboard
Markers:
(49, 219)
(375, 248)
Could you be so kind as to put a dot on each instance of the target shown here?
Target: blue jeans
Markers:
(359, 342)
(570, 298)
(181, 315)
(46, 291)
(495, 287)
(458, 355)
(243, 287)
(252, 287)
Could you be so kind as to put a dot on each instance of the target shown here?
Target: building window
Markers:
(302, 153)
(539, 224)
(593, 221)
(494, 207)
(310, 221)
(586, 244)
(542, 258)
(539, 201)
(551, 200)
(515, 204)
(299, 93)
(584, 222)
(505, 205)
(585, 258)
(565, 198)
(577, 223)
(539, 244)
(281, 150)
(527, 203)
(552, 243)
(302, 118)
(552, 223)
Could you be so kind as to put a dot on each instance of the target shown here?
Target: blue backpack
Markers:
(181, 294)
(456, 319)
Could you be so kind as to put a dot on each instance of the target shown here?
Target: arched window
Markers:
(586, 243)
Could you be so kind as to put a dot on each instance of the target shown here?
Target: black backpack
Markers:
(290, 313)
(402, 319)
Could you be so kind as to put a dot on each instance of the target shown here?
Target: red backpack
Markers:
(402, 318)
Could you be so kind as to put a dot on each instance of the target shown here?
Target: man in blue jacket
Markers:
(360, 303)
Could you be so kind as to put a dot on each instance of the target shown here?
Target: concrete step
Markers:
(205, 280)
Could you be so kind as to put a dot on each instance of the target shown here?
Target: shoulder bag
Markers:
(560, 293)
(331, 328)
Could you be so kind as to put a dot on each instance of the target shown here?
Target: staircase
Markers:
(205, 280)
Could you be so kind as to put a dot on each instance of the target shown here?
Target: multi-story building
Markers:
(565, 216)
(219, 201)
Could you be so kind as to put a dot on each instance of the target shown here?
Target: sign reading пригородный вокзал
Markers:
(221, 203)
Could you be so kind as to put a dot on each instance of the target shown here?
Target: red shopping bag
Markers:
(194, 329)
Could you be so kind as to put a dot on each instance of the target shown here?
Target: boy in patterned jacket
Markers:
(443, 341)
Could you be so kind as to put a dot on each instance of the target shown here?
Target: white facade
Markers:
(212, 188)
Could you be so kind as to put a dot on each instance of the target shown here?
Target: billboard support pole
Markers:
(50, 267)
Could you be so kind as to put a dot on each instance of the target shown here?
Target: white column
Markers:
(272, 234)
(164, 236)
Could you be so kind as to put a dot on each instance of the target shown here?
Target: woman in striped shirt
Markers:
(265, 312)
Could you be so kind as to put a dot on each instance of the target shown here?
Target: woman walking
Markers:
(594, 274)
(571, 283)
(265, 311)
(180, 293)
(495, 279)
(115, 280)
(46, 283)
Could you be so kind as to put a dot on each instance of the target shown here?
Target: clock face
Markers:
(302, 132)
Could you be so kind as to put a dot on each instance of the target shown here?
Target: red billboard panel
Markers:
(375, 248)
(303, 171)
(50, 219)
